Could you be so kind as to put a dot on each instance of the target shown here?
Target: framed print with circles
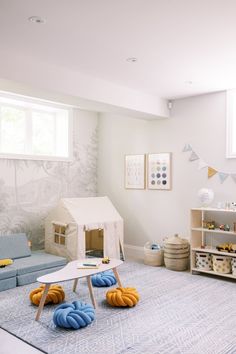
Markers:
(159, 171)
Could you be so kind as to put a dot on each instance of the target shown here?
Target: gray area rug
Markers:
(178, 313)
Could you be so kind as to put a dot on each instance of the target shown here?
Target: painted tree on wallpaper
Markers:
(36, 186)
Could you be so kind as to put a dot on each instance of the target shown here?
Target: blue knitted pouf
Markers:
(103, 279)
(75, 315)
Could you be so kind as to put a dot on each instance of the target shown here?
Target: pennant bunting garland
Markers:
(222, 176)
(202, 164)
(187, 147)
(211, 172)
(193, 156)
(233, 176)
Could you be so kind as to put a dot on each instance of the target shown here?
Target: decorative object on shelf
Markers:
(224, 227)
(211, 225)
(226, 247)
(55, 295)
(75, 316)
(159, 171)
(203, 261)
(104, 279)
(221, 264)
(153, 254)
(205, 196)
(135, 171)
(5, 262)
(176, 253)
(122, 297)
(211, 171)
(106, 260)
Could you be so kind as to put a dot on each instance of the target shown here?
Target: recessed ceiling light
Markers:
(36, 19)
(132, 60)
(188, 82)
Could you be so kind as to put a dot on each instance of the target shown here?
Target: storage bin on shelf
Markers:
(221, 264)
(153, 254)
(233, 264)
(203, 261)
(176, 253)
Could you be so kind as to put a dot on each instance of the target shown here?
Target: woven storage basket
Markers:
(203, 261)
(233, 264)
(221, 264)
(153, 257)
(176, 253)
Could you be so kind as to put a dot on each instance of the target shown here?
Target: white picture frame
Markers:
(159, 171)
(135, 166)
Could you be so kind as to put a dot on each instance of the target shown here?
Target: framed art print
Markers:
(159, 171)
(135, 171)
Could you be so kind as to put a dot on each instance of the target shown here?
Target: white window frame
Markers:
(41, 102)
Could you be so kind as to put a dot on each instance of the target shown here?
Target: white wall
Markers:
(156, 214)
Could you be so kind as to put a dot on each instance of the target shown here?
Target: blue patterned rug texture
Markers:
(178, 313)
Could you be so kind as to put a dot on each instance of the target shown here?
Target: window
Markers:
(60, 234)
(231, 124)
(34, 129)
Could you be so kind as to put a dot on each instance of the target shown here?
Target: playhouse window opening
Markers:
(59, 234)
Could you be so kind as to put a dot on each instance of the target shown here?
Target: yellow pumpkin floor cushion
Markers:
(5, 262)
(122, 297)
(55, 295)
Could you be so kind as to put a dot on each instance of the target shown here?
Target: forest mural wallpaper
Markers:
(29, 189)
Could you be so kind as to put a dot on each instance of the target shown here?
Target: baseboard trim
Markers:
(132, 251)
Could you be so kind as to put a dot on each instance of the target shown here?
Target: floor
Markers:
(9, 343)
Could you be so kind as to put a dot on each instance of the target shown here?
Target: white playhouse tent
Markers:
(67, 223)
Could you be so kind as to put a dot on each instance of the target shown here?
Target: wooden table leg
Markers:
(42, 301)
(117, 277)
(91, 291)
(75, 285)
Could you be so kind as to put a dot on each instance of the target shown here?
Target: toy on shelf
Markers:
(5, 262)
(211, 225)
(227, 247)
(224, 227)
(55, 295)
(106, 260)
(122, 297)
(75, 316)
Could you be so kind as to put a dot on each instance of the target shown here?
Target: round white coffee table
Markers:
(71, 272)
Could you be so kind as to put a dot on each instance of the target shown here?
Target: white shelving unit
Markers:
(204, 240)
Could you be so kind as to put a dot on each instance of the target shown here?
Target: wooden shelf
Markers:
(216, 231)
(200, 236)
(213, 251)
(215, 209)
(214, 273)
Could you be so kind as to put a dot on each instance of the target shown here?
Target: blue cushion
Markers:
(7, 283)
(14, 246)
(7, 272)
(39, 260)
(32, 277)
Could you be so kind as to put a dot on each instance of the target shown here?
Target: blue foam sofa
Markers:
(28, 265)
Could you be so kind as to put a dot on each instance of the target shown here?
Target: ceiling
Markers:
(183, 47)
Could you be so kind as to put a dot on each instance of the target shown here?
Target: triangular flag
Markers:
(211, 172)
(193, 156)
(233, 175)
(222, 176)
(187, 147)
(202, 164)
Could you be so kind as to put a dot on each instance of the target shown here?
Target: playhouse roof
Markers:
(92, 210)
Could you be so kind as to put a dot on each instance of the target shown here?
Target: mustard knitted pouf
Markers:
(122, 297)
(55, 295)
